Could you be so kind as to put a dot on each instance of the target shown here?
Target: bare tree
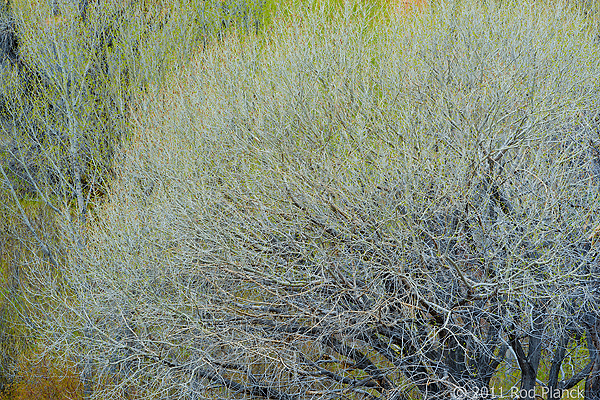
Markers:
(336, 211)
(68, 88)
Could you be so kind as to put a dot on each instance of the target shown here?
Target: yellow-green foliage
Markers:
(16, 244)
(46, 379)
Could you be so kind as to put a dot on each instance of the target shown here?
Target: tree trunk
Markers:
(592, 383)
(529, 363)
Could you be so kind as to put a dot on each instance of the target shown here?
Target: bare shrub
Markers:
(336, 211)
(70, 74)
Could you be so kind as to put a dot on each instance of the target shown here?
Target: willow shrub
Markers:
(337, 207)
(67, 97)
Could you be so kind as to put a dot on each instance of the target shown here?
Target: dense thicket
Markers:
(71, 74)
(342, 209)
